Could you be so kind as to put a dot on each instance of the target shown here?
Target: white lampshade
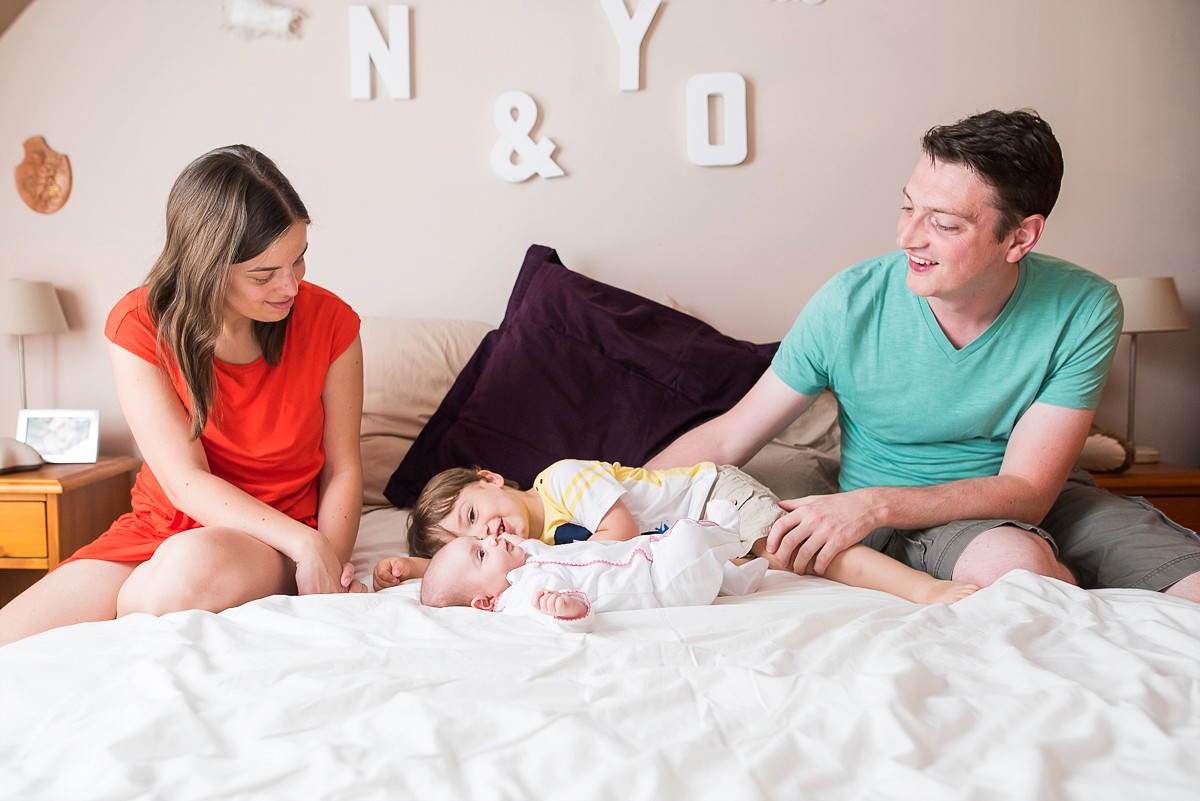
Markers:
(1151, 304)
(30, 307)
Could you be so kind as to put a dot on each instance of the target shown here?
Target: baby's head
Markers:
(471, 572)
(465, 502)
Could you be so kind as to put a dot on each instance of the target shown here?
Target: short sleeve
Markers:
(803, 359)
(579, 491)
(328, 322)
(1078, 378)
(345, 331)
(129, 326)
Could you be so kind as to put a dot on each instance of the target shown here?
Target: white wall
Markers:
(410, 220)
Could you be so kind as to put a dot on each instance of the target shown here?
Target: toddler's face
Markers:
(486, 509)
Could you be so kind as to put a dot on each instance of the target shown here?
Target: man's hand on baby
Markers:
(819, 527)
(557, 604)
(394, 569)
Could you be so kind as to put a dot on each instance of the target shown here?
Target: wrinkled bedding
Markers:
(1029, 689)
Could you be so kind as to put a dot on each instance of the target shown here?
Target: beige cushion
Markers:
(408, 366)
(817, 428)
(804, 458)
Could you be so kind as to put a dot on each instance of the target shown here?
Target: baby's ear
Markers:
(485, 602)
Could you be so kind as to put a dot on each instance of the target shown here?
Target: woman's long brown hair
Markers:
(226, 207)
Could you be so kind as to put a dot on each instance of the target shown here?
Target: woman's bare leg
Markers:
(77, 592)
(207, 568)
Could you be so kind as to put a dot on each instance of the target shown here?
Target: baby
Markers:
(567, 584)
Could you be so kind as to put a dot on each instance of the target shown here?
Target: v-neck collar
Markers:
(961, 354)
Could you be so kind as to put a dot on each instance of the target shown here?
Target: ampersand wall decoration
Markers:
(516, 157)
(44, 177)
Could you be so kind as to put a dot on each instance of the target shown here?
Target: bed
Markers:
(1029, 689)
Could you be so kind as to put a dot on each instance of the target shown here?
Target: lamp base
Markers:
(1144, 454)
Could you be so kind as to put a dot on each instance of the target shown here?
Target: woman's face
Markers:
(264, 287)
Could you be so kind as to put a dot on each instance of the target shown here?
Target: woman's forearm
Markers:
(214, 502)
(339, 510)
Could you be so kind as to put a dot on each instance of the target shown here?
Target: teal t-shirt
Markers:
(913, 409)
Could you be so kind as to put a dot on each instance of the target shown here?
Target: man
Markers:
(967, 371)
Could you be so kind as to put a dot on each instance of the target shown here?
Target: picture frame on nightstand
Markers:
(61, 436)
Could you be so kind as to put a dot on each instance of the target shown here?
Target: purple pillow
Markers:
(578, 370)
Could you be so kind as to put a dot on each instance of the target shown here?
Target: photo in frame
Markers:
(62, 436)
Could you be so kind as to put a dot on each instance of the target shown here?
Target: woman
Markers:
(242, 386)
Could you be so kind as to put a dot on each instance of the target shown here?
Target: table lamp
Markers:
(1151, 305)
(29, 307)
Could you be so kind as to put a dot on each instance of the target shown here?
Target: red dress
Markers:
(264, 432)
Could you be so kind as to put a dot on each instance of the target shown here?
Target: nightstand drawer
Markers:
(1183, 510)
(1173, 489)
(23, 532)
(49, 513)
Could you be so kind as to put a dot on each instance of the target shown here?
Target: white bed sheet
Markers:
(1030, 689)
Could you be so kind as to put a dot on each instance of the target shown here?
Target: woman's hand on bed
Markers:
(394, 569)
(819, 527)
(318, 569)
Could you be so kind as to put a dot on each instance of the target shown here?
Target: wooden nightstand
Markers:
(1172, 488)
(47, 514)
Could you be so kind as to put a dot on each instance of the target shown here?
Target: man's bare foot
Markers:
(944, 592)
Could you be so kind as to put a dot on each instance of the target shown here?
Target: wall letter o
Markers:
(732, 150)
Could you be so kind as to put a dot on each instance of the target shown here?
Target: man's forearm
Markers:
(1003, 497)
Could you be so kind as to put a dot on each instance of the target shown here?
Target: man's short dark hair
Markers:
(1015, 152)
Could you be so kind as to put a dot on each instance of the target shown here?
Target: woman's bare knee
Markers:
(1006, 548)
(207, 569)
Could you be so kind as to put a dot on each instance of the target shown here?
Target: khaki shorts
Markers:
(758, 507)
(1106, 540)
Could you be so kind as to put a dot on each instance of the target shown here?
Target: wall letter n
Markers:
(367, 46)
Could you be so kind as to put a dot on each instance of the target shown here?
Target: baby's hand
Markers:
(394, 569)
(560, 605)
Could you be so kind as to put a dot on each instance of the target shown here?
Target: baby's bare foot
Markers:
(946, 592)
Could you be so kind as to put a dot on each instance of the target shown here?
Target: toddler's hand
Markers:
(560, 605)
